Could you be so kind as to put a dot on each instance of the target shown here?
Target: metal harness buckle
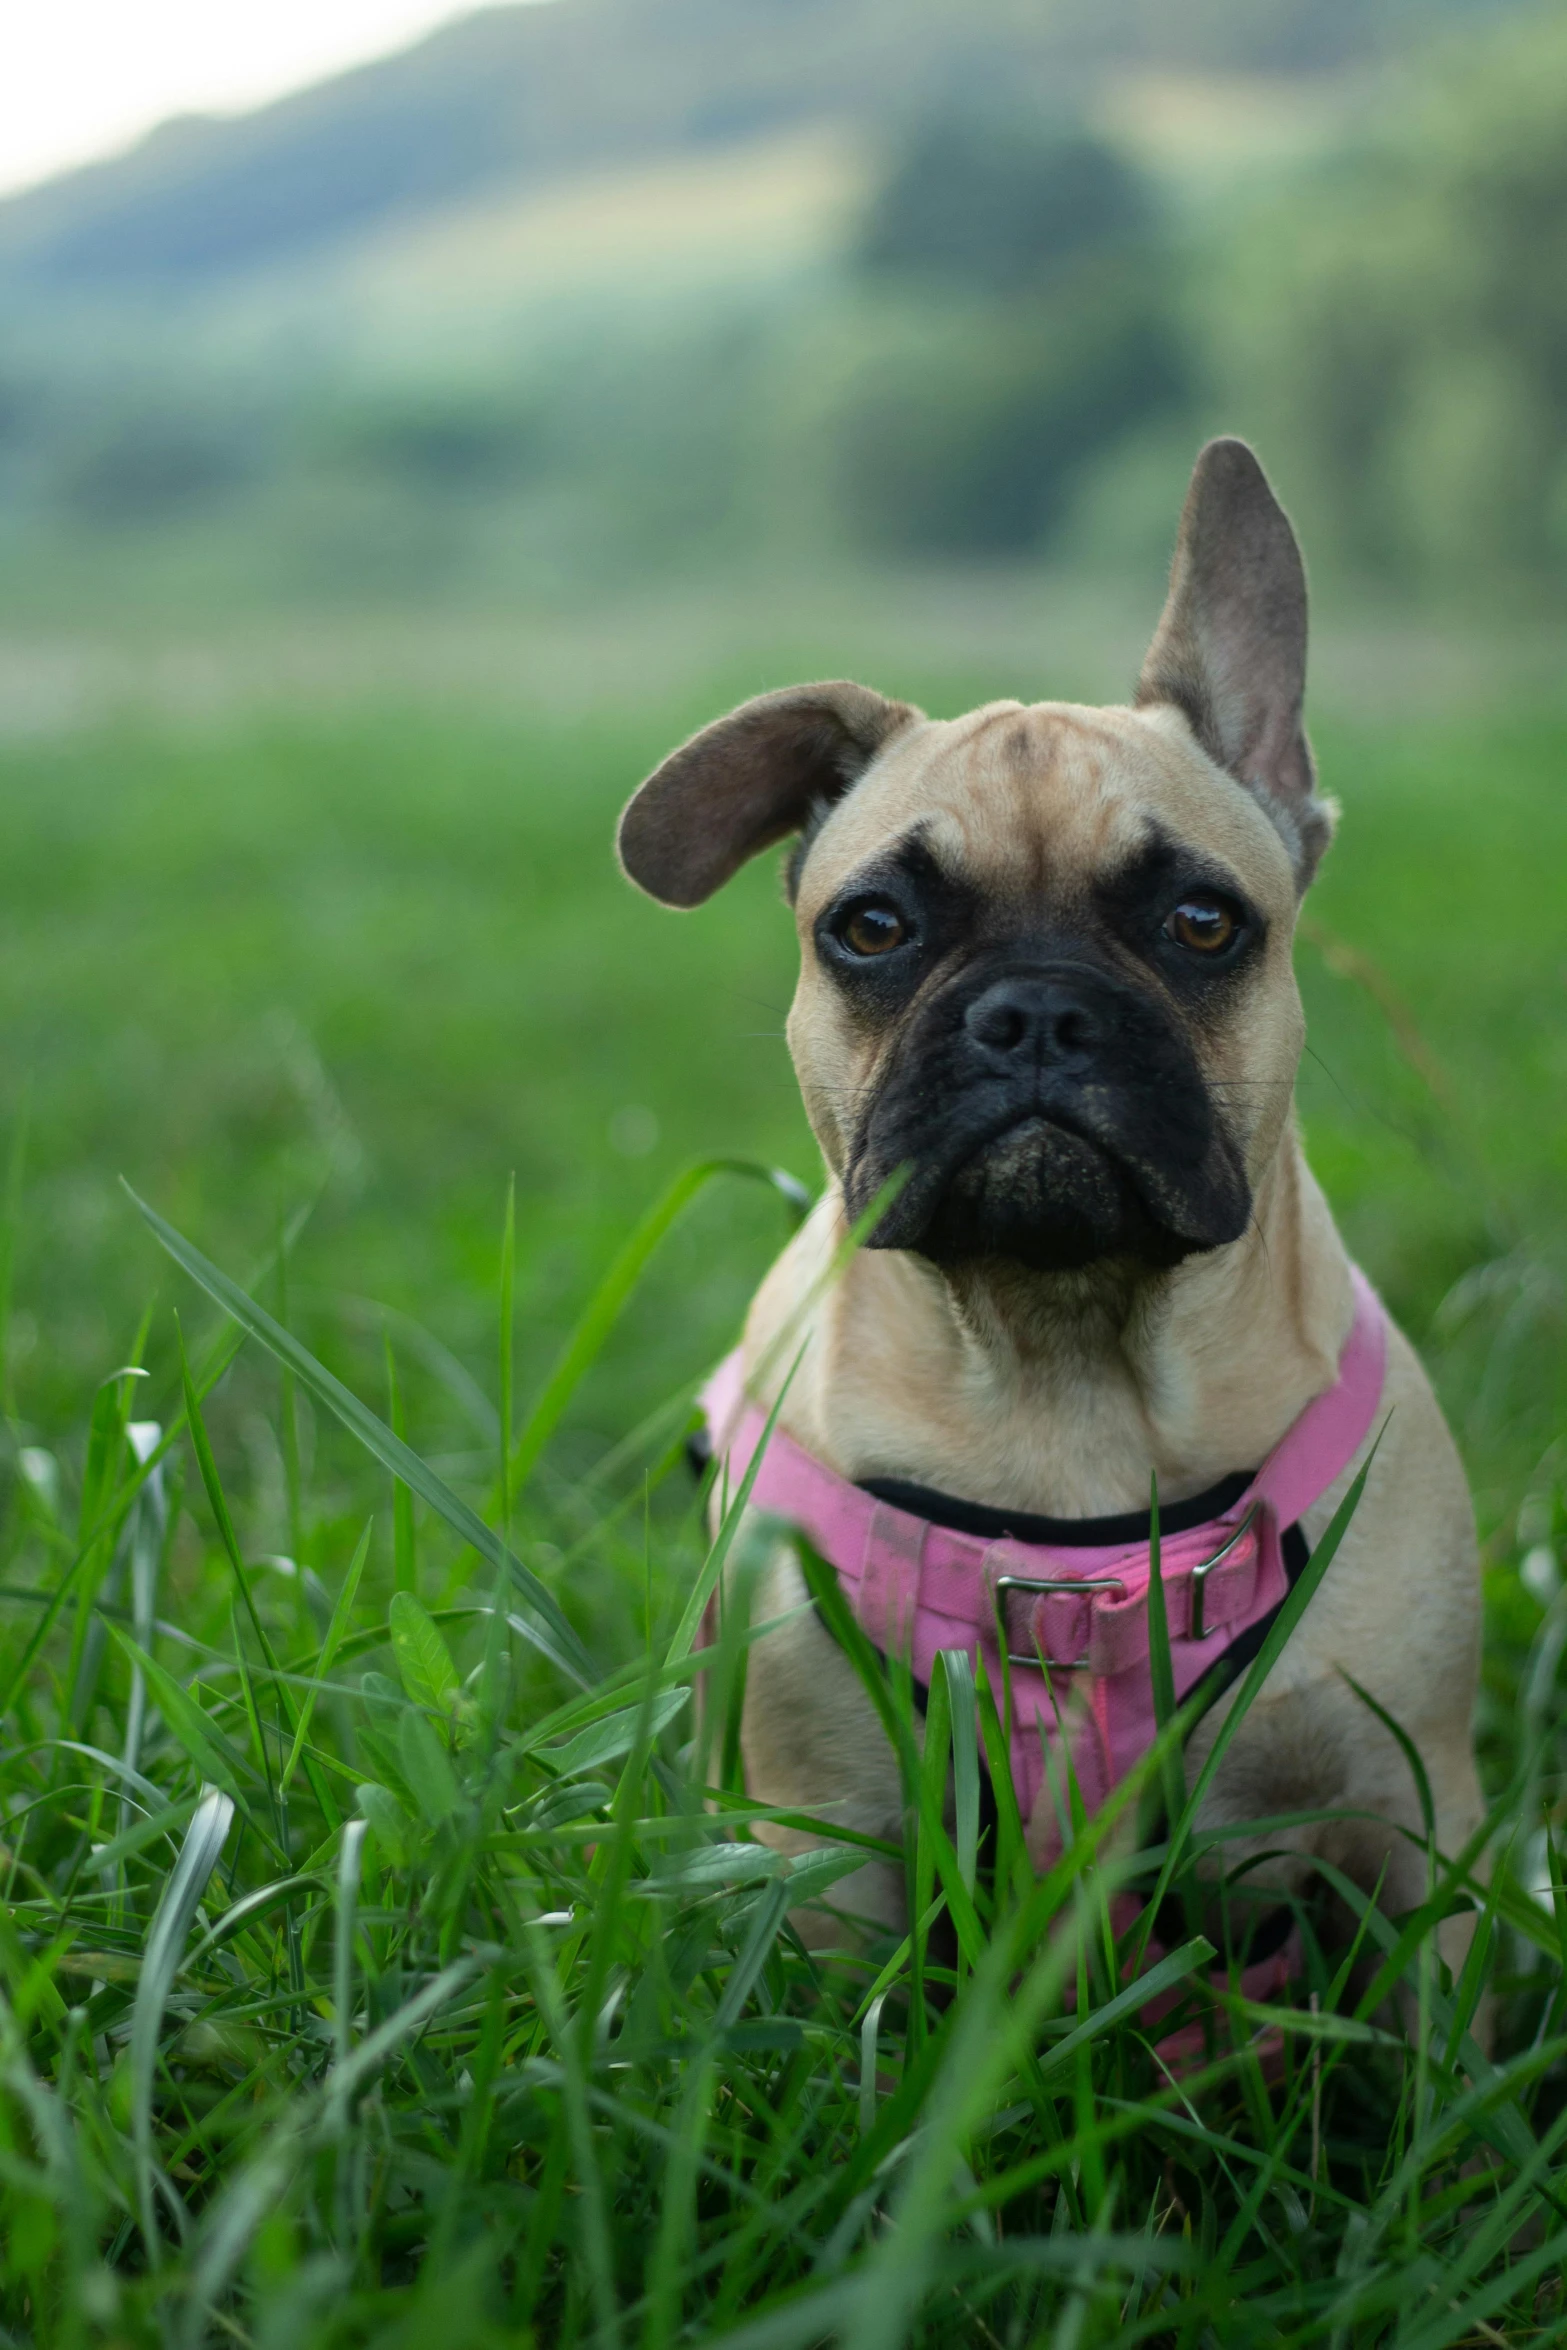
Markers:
(1077, 1664)
(1197, 1629)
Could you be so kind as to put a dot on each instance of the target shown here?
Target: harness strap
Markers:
(1071, 1619)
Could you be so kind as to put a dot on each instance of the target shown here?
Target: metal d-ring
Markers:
(1198, 1627)
(1077, 1664)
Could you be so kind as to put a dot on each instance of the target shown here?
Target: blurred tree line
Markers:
(1023, 332)
(1401, 324)
(1025, 324)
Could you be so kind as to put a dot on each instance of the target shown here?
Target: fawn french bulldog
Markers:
(1046, 979)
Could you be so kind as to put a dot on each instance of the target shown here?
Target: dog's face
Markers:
(1045, 952)
(1046, 971)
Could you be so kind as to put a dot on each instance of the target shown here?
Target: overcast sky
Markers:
(80, 78)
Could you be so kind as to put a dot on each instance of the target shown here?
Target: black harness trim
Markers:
(993, 1525)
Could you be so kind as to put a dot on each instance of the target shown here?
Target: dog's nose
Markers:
(1032, 1019)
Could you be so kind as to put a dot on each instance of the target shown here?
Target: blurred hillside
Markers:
(529, 94)
(573, 296)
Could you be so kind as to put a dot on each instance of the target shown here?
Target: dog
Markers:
(1046, 983)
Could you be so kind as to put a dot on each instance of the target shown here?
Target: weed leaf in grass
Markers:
(717, 1864)
(810, 1873)
(606, 1740)
(424, 1662)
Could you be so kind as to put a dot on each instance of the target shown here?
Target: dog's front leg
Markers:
(810, 1742)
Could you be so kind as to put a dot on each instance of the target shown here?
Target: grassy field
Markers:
(287, 2062)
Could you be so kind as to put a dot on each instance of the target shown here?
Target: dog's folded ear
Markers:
(751, 779)
(1230, 648)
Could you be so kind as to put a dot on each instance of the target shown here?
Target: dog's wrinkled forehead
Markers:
(1038, 801)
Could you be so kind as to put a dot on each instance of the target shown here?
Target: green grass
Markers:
(268, 2079)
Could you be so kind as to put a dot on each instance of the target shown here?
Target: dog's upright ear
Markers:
(1230, 648)
(750, 779)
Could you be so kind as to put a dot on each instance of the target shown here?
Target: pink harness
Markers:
(917, 1587)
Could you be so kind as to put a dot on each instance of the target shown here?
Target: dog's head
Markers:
(1046, 962)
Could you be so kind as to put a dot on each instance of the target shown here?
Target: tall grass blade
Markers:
(16, 1163)
(991, 2035)
(695, 1609)
(744, 1974)
(870, 2031)
(229, 2226)
(222, 1354)
(209, 1750)
(1163, 1977)
(352, 2073)
(341, 1613)
(103, 1559)
(405, 1572)
(963, 1705)
(217, 1502)
(840, 1619)
(547, 1627)
(166, 1939)
(348, 1867)
(1160, 1664)
(508, 1347)
(1295, 1605)
(604, 1307)
(678, 2217)
(251, 1905)
(1407, 1747)
(33, 1989)
(146, 1532)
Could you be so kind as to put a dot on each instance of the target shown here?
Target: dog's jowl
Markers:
(1047, 1030)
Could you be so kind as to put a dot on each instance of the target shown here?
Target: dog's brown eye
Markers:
(1206, 925)
(874, 929)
